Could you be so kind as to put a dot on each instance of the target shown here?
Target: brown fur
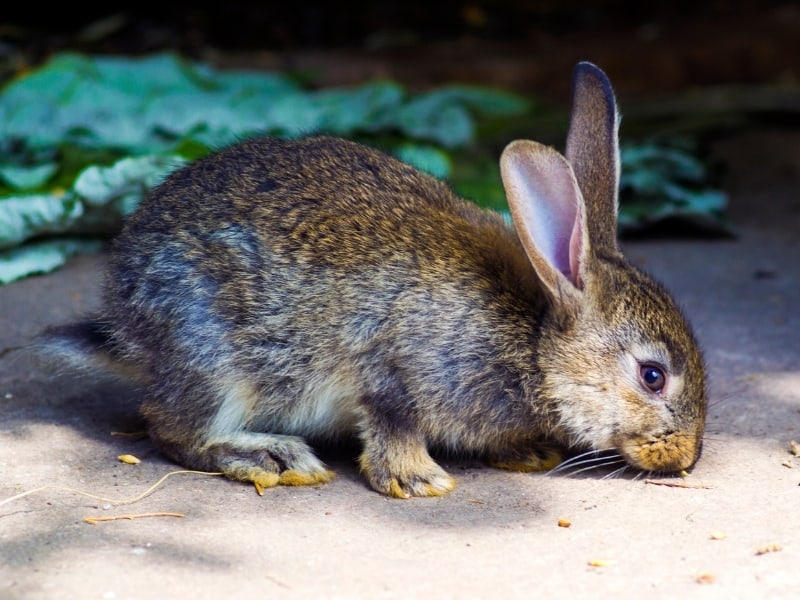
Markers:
(281, 291)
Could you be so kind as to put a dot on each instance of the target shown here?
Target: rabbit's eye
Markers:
(652, 378)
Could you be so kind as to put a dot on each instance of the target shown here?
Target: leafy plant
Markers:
(663, 180)
(83, 138)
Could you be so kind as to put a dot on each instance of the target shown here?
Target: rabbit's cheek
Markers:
(589, 423)
(641, 412)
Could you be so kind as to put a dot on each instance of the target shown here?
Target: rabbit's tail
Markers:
(84, 346)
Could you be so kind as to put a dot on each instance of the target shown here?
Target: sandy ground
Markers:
(497, 535)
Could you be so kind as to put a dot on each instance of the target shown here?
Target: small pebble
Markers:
(705, 577)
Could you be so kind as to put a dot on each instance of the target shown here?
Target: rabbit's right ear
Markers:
(548, 212)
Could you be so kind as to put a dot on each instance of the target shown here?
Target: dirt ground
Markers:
(729, 530)
(497, 534)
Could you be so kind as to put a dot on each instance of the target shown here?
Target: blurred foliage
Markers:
(663, 180)
(83, 138)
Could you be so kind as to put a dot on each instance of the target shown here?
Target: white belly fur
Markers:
(326, 408)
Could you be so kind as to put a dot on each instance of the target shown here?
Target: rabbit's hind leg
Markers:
(210, 433)
(535, 457)
(266, 459)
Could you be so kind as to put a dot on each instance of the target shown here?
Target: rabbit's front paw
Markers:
(538, 458)
(403, 470)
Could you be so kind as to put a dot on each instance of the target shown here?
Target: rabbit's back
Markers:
(315, 268)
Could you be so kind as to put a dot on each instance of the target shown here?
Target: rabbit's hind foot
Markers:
(541, 457)
(267, 460)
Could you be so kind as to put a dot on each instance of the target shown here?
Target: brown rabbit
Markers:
(317, 288)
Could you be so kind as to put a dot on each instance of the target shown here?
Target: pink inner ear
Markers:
(575, 250)
(547, 208)
(561, 238)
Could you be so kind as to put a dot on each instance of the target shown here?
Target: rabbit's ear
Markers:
(593, 151)
(548, 212)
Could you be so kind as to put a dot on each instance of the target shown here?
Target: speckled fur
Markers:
(282, 291)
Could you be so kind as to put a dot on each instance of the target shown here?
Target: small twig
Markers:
(95, 520)
(679, 484)
(144, 494)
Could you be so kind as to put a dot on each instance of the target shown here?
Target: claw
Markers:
(292, 477)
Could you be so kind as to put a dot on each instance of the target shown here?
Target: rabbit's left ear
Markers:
(593, 151)
(565, 209)
(548, 212)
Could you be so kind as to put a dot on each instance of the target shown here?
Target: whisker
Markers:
(582, 455)
(598, 466)
(616, 473)
(578, 460)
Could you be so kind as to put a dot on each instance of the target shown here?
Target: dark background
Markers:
(708, 70)
(646, 47)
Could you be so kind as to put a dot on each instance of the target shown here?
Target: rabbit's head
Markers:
(619, 361)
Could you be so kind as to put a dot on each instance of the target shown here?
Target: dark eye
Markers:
(652, 377)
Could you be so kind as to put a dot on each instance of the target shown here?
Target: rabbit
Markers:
(278, 293)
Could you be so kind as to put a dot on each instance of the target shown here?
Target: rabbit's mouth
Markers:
(668, 452)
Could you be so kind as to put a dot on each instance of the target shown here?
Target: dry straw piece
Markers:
(141, 496)
(601, 562)
(769, 548)
(96, 520)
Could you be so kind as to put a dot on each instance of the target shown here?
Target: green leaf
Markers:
(664, 180)
(112, 193)
(41, 257)
(27, 216)
(426, 158)
(434, 119)
(27, 178)
(481, 100)
(344, 111)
